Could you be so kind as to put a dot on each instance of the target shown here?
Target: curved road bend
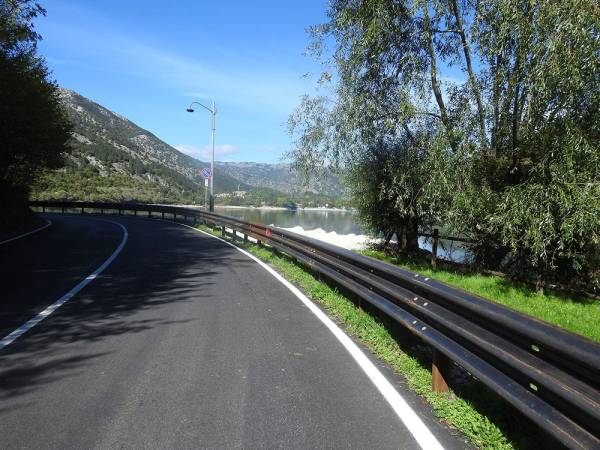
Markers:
(182, 342)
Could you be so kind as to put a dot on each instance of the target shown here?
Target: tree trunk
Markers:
(435, 84)
(387, 238)
(408, 239)
(412, 237)
(471, 72)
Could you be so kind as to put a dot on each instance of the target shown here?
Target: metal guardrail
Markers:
(550, 375)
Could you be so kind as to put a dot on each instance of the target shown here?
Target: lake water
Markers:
(342, 222)
(339, 227)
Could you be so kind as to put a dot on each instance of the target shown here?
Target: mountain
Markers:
(112, 158)
(280, 177)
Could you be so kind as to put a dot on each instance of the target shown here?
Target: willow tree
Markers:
(376, 125)
(498, 99)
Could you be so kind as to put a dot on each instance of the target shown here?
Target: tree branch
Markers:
(435, 84)
(472, 77)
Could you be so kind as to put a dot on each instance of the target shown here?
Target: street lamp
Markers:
(213, 114)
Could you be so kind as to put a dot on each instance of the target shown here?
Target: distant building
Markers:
(239, 194)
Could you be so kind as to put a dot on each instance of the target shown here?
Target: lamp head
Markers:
(190, 110)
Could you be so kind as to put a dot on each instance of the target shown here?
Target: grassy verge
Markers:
(471, 408)
(579, 315)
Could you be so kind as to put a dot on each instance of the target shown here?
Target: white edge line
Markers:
(10, 338)
(407, 415)
(28, 233)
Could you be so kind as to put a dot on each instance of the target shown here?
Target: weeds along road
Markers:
(181, 342)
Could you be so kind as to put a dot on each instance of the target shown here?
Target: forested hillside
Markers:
(281, 177)
(111, 158)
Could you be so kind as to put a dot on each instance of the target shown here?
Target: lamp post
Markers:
(213, 115)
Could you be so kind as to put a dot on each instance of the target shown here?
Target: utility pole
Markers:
(213, 115)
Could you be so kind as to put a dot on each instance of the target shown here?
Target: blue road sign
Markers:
(206, 173)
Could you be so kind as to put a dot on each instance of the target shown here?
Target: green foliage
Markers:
(33, 126)
(270, 197)
(86, 183)
(505, 152)
(551, 221)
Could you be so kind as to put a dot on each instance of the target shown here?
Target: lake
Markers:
(339, 227)
(340, 221)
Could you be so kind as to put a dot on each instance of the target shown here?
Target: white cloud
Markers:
(205, 153)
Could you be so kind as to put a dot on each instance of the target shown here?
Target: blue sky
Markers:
(147, 60)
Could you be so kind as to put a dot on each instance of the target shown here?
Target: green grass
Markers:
(487, 421)
(579, 315)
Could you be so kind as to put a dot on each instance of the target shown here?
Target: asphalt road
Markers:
(182, 342)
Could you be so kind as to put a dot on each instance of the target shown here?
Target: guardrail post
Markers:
(223, 231)
(101, 210)
(439, 372)
(163, 215)
(43, 209)
(135, 212)
(120, 212)
(434, 247)
(63, 209)
(82, 210)
(149, 213)
(245, 238)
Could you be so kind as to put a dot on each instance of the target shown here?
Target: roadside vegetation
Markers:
(33, 127)
(481, 116)
(486, 420)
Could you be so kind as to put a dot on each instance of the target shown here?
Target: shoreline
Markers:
(281, 208)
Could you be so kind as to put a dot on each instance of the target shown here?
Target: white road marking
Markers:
(9, 339)
(27, 234)
(407, 415)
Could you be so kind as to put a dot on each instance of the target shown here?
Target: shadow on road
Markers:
(161, 265)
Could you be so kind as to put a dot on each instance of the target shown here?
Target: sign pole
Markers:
(206, 194)
(207, 175)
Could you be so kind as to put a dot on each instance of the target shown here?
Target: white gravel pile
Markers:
(348, 241)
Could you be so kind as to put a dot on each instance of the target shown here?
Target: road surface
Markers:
(182, 342)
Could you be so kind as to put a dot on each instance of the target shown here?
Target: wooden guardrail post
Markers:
(434, 247)
(439, 372)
